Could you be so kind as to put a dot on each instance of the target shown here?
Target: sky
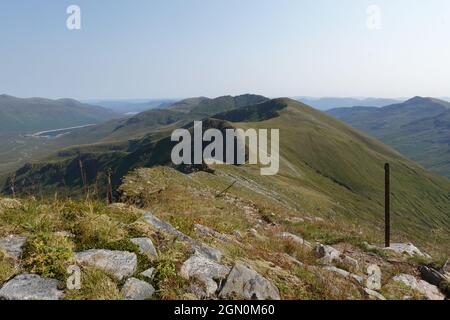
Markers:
(185, 48)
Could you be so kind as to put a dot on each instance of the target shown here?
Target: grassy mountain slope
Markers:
(326, 168)
(418, 128)
(19, 115)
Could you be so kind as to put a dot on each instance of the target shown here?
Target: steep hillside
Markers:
(326, 168)
(19, 115)
(418, 128)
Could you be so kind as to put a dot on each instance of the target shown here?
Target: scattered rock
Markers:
(120, 264)
(205, 232)
(146, 247)
(432, 276)
(207, 271)
(207, 251)
(13, 245)
(296, 239)
(328, 255)
(374, 294)
(31, 287)
(247, 283)
(346, 274)
(407, 248)
(135, 289)
(374, 277)
(148, 273)
(428, 290)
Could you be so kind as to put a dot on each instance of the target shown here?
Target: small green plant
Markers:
(7, 269)
(48, 254)
(95, 285)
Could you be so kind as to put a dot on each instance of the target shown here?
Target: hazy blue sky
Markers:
(180, 48)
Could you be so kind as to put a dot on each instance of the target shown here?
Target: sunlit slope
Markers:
(335, 170)
(326, 168)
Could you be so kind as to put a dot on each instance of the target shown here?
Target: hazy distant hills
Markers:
(328, 103)
(127, 106)
(419, 128)
(19, 115)
(325, 167)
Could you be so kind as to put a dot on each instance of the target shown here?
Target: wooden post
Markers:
(387, 204)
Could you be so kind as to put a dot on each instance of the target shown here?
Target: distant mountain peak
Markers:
(418, 99)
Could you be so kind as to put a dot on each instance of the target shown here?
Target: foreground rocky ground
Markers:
(186, 242)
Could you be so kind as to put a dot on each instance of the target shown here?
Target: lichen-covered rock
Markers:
(12, 245)
(246, 283)
(206, 271)
(135, 289)
(31, 287)
(120, 264)
(146, 247)
(374, 277)
(428, 290)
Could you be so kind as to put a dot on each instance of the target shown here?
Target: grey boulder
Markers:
(206, 271)
(428, 290)
(120, 264)
(135, 289)
(246, 283)
(13, 245)
(146, 247)
(31, 287)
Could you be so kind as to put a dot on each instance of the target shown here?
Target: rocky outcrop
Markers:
(206, 271)
(146, 247)
(120, 264)
(346, 274)
(329, 255)
(374, 277)
(428, 290)
(243, 282)
(432, 276)
(408, 249)
(200, 248)
(31, 287)
(135, 289)
(12, 245)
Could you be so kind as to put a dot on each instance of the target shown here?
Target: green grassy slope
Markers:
(36, 114)
(419, 128)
